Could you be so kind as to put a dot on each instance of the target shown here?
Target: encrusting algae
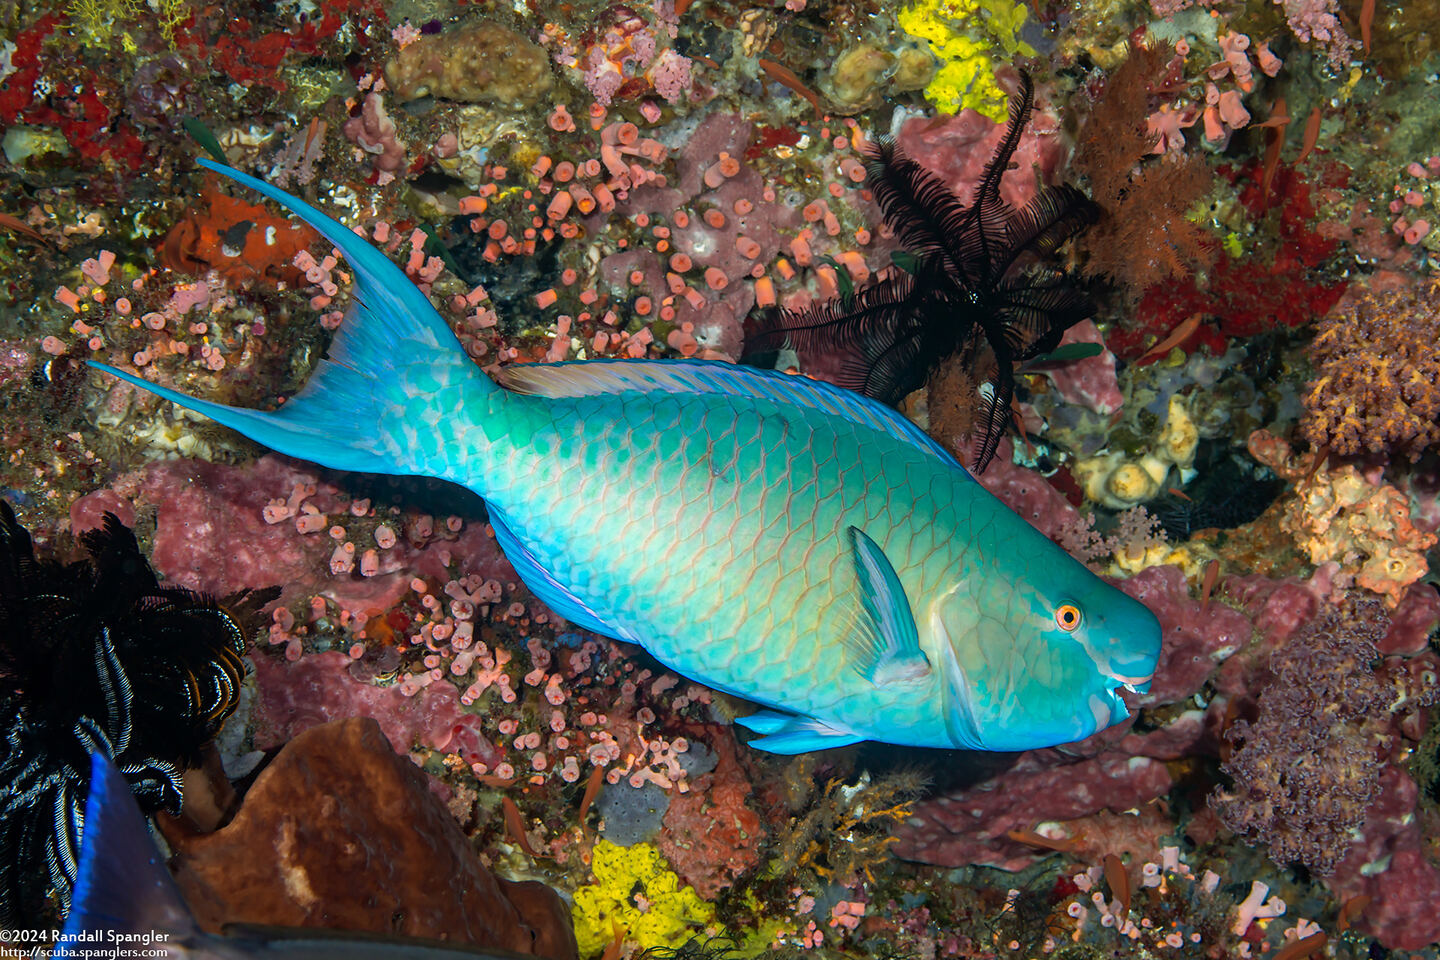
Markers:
(1239, 436)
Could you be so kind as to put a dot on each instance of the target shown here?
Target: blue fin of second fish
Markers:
(122, 884)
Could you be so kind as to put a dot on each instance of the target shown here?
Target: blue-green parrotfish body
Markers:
(774, 537)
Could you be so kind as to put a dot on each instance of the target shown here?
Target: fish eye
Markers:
(1067, 617)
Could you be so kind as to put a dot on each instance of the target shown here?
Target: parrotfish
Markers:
(774, 537)
(125, 899)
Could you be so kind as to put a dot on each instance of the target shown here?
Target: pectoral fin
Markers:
(788, 733)
(884, 638)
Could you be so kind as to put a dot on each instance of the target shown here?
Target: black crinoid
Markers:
(976, 282)
(97, 656)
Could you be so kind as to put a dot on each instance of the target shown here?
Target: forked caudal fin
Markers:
(392, 381)
(122, 885)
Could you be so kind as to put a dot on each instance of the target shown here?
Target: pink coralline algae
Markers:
(711, 835)
(293, 697)
(956, 149)
(210, 535)
(1028, 494)
(728, 225)
(1412, 622)
(1389, 865)
(373, 131)
(88, 512)
(1196, 636)
(221, 528)
(1089, 382)
(970, 827)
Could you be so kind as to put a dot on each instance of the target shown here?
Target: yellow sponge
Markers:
(637, 895)
(967, 37)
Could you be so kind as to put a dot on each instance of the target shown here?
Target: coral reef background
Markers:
(1243, 437)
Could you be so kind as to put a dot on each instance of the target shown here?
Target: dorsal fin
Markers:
(583, 378)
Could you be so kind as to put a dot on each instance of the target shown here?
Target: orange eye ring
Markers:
(1067, 617)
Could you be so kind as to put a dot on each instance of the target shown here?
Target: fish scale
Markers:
(729, 560)
(774, 537)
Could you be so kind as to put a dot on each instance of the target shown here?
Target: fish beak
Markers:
(1119, 709)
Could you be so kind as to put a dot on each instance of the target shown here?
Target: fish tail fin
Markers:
(385, 398)
(122, 884)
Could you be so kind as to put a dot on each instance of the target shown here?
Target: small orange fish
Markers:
(1212, 572)
(1177, 336)
(592, 788)
(1278, 120)
(20, 226)
(316, 129)
(612, 949)
(1307, 947)
(1351, 909)
(1118, 879)
(515, 826)
(1032, 839)
(1312, 135)
(1321, 455)
(786, 77)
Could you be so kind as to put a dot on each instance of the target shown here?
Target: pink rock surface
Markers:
(1412, 621)
(88, 512)
(1090, 382)
(210, 534)
(1390, 866)
(317, 688)
(1027, 493)
(957, 148)
(969, 827)
(1196, 637)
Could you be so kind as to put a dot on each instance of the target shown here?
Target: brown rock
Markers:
(478, 63)
(340, 832)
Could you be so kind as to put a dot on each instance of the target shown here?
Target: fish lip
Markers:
(1136, 685)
